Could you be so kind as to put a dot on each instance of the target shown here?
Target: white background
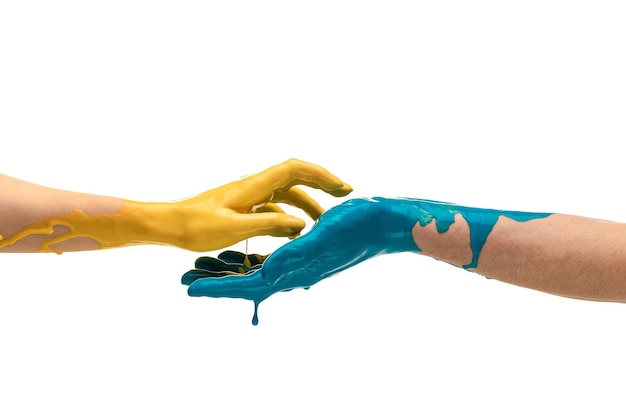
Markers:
(508, 105)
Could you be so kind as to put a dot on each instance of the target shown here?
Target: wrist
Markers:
(457, 234)
(146, 223)
(394, 220)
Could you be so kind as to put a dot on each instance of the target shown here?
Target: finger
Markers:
(216, 265)
(298, 198)
(271, 223)
(251, 287)
(211, 264)
(261, 186)
(195, 274)
(236, 257)
(268, 207)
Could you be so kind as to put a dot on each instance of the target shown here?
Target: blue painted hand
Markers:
(342, 237)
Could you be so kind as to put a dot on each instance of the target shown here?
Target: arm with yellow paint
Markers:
(36, 218)
(560, 254)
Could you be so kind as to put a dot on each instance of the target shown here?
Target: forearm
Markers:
(24, 204)
(35, 218)
(560, 254)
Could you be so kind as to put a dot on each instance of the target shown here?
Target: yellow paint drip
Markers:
(246, 259)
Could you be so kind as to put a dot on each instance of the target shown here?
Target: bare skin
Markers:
(35, 218)
(564, 255)
(23, 203)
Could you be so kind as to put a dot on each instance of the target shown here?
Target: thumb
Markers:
(296, 258)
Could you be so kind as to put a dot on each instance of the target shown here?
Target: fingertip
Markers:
(323, 178)
(191, 291)
(293, 226)
(200, 287)
(192, 275)
(344, 190)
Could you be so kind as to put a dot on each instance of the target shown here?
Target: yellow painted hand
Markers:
(209, 221)
(248, 207)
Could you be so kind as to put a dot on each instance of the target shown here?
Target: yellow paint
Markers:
(209, 221)
(246, 259)
(177, 223)
(97, 227)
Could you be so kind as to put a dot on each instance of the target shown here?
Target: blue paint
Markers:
(227, 263)
(345, 236)
(480, 221)
(255, 317)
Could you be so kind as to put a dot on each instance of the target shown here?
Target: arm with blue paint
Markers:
(560, 254)
(565, 255)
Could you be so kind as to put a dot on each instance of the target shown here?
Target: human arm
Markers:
(561, 254)
(35, 218)
(564, 255)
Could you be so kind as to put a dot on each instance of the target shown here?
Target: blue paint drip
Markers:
(347, 235)
(255, 317)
